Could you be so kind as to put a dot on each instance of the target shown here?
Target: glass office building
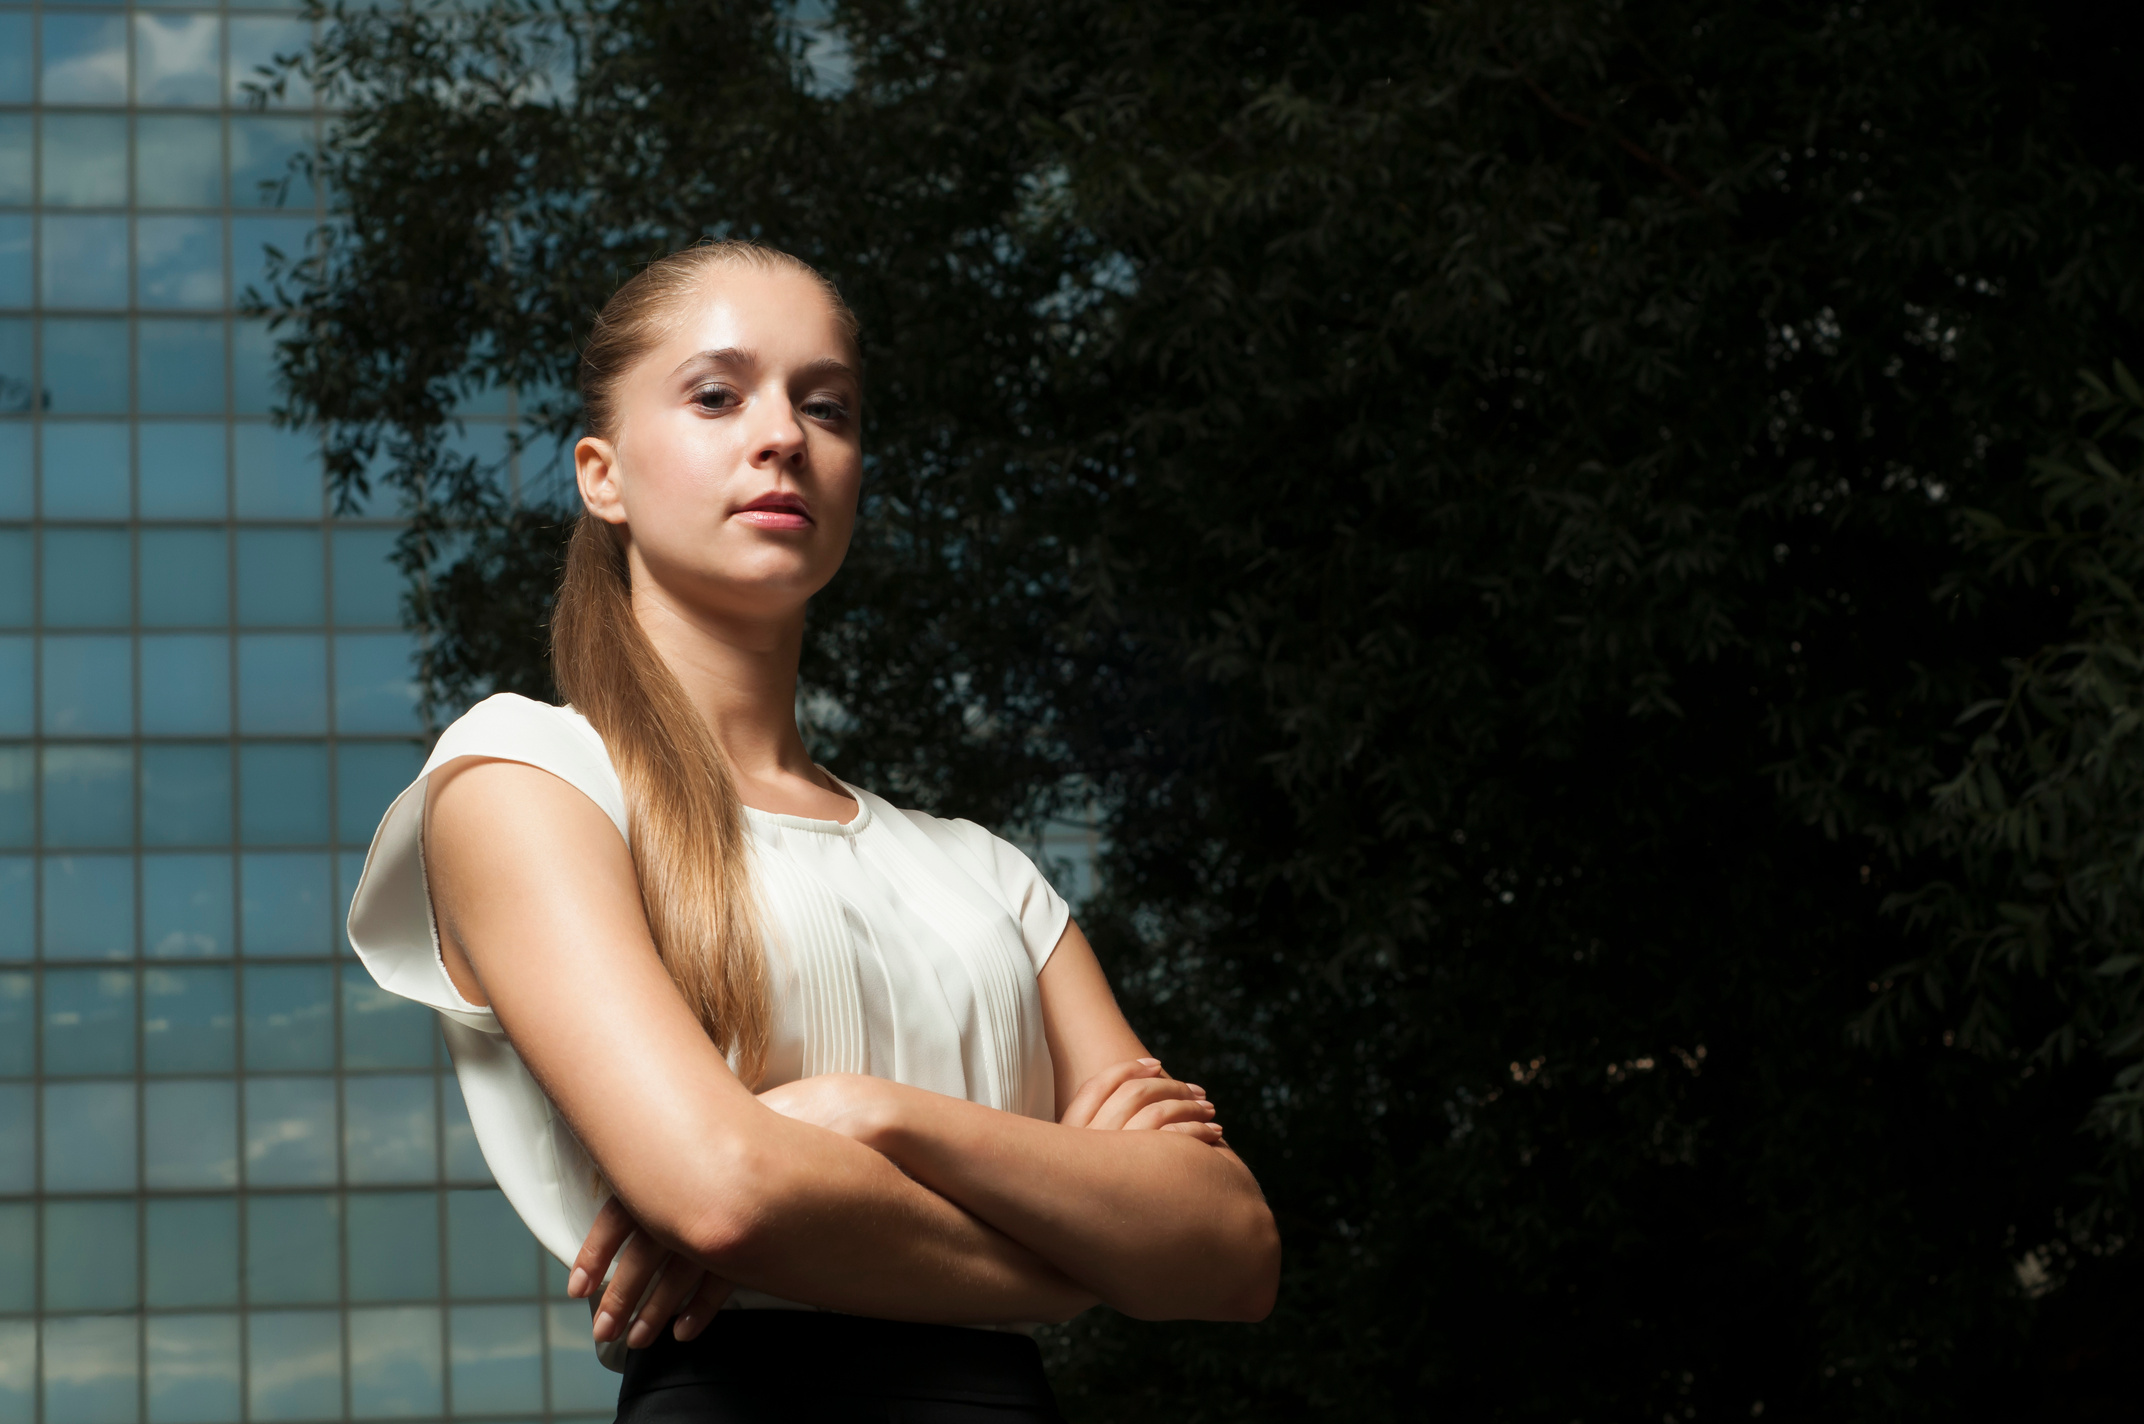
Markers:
(236, 1182)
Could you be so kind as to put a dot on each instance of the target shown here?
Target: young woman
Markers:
(762, 1039)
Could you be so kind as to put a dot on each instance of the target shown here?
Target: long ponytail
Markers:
(687, 821)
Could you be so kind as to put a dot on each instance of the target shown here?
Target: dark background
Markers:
(1586, 555)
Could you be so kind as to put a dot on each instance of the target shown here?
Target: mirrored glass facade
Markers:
(236, 1181)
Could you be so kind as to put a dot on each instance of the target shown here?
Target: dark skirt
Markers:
(813, 1367)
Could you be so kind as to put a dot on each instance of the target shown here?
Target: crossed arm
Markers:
(845, 1192)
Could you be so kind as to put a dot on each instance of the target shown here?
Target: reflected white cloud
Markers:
(193, 1369)
(175, 59)
(91, 1369)
(395, 1369)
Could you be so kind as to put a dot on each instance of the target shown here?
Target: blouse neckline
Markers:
(850, 827)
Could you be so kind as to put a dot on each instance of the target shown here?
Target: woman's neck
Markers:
(740, 673)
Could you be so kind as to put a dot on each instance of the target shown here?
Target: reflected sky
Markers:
(394, 1361)
(296, 1359)
(193, 1368)
(190, 1134)
(388, 1133)
(496, 1357)
(291, 1126)
(91, 1368)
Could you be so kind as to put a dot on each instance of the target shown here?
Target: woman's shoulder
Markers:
(559, 740)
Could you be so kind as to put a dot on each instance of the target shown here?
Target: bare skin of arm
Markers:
(539, 916)
(1162, 1224)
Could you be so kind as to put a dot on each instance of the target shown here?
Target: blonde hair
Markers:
(687, 822)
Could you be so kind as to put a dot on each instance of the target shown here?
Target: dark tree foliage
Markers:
(1619, 770)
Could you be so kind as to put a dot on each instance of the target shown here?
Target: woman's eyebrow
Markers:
(726, 356)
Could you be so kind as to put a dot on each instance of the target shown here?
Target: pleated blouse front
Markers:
(899, 944)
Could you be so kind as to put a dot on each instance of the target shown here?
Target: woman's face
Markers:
(738, 450)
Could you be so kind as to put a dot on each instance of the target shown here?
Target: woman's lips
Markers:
(776, 511)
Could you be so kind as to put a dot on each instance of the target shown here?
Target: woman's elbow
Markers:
(1256, 1284)
(724, 1224)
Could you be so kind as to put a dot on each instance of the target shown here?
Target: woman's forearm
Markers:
(838, 1226)
(1157, 1224)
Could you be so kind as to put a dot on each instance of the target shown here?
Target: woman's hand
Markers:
(1139, 1096)
(629, 1306)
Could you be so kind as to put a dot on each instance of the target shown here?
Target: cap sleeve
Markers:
(1022, 887)
(391, 924)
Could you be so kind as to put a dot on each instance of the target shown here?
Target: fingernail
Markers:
(639, 1336)
(577, 1283)
(1195, 1090)
(606, 1325)
(684, 1328)
(1151, 1062)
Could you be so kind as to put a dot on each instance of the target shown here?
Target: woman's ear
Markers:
(595, 470)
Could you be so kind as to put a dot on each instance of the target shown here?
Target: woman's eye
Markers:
(826, 408)
(714, 397)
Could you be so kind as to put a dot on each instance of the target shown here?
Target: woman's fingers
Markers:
(1206, 1132)
(1129, 1098)
(638, 1262)
(613, 1225)
(1174, 1110)
(699, 1312)
(1096, 1090)
(679, 1280)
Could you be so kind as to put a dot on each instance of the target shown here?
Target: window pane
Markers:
(394, 1361)
(382, 1030)
(91, 1366)
(376, 685)
(262, 154)
(85, 470)
(496, 1357)
(282, 683)
(15, 501)
(179, 262)
(185, 793)
(186, 689)
(18, 1153)
(89, 1137)
(85, 370)
(278, 473)
(389, 1136)
(16, 779)
(89, 1256)
(190, 1134)
(14, 61)
(18, 712)
(185, 577)
(368, 777)
(255, 44)
(14, 260)
(85, 160)
(251, 258)
(187, 1021)
(182, 367)
(292, 1249)
(87, 581)
(17, 578)
(178, 161)
(394, 1246)
(18, 1370)
(15, 161)
(290, 1132)
(280, 578)
(289, 1018)
(578, 1378)
(85, 60)
(89, 1021)
(85, 263)
(489, 1251)
(287, 907)
(193, 1369)
(88, 687)
(175, 60)
(193, 1251)
(294, 1360)
(255, 384)
(89, 795)
(89, 907)
(368, 587)
(18, 1258)
(17, 915)
(186, 907)
(182, 474)
(284, 794)
(18, 1030)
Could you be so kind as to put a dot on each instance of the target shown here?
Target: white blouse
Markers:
(898, 945)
